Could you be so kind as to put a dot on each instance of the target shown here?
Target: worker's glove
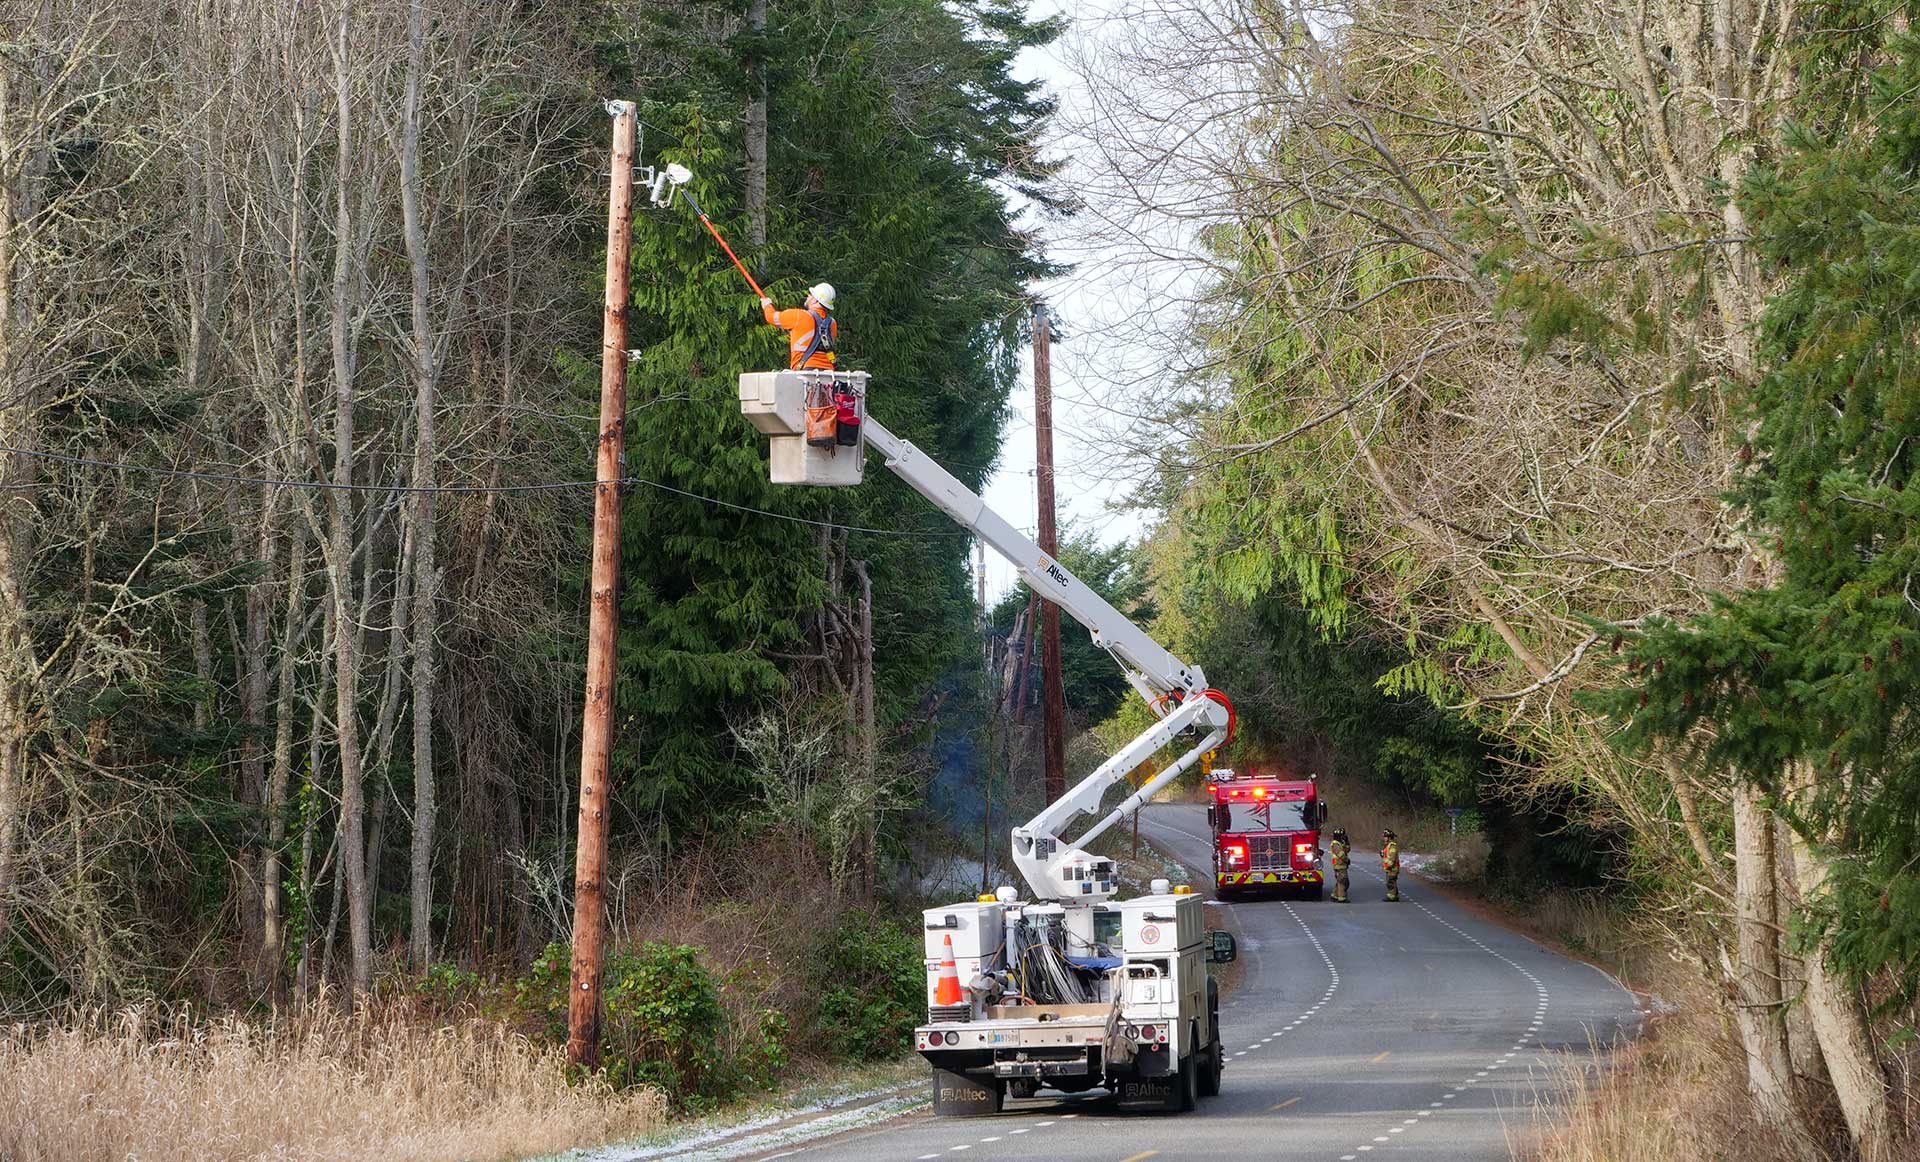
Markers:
(765, 301)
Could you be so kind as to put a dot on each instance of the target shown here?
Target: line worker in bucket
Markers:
(812, 331)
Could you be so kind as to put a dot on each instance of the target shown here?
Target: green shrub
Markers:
(757, 1063)
(447, 987)
(875, 986)
(663, 1025)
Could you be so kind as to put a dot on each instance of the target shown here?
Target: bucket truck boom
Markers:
(1055, 867)
(1071, 989)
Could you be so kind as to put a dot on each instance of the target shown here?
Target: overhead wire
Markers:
(548, 486)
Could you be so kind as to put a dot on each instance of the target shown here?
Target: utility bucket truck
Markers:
(1066, 987)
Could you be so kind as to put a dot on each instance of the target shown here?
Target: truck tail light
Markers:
(1303, 855)
(1149, 1033)
(953, 1038)
(1235, 854)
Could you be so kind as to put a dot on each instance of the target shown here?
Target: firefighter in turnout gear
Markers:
(812, 331)
(1390, 863)
(1342, 860)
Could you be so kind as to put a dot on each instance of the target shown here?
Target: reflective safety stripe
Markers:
(1300, 877)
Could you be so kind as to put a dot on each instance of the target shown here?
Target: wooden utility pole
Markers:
(1020, 688)
(983, 614)
(583, 1005)
(1053, 710)
(756, 137)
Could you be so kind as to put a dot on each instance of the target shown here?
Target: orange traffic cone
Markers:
(947, 990)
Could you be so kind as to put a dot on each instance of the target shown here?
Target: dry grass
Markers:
(331, 1085)
(1680, 1092)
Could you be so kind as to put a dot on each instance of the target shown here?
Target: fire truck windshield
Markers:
(1266, 815)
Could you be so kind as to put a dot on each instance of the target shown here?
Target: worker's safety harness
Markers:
(833, 410)
(822, 343)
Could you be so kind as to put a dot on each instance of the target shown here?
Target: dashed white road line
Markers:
(1533, 1028)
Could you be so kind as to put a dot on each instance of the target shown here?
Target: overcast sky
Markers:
(1091, 478)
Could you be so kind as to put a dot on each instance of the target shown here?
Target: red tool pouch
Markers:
(848, 416)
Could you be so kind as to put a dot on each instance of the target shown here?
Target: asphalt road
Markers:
(1361, 1031)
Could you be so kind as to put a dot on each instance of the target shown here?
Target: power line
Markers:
(797, 519)
(553, 486)
(273, 482)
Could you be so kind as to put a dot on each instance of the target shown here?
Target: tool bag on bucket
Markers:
(847, 416)
(822, 417)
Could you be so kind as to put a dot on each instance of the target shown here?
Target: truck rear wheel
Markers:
(1316, 890)
(1187, 1085)
(1212, 1060)
(1215, 1062)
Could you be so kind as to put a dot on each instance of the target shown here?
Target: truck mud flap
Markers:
(1158, 1093)
(956, 1095)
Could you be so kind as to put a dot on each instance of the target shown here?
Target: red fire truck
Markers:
(1266, 833)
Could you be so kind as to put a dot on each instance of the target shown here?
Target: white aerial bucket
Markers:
(776, 404)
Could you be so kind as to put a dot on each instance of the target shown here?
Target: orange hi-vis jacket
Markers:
(799, 326)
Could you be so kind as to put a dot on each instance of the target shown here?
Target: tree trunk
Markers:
(1025, 663)
(1859, 1080)
(869, 741)
(756, 143)
(1803, 1043)
(202, 668)
(425, 578)
(346, 662)
(1755, 978)
(310, 817)
(22, 137)
(274, 802)
(255, 688)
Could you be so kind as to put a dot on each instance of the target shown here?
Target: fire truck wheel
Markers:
(1022, 1087)
(1316, 891)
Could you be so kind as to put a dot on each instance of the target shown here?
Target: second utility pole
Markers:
(596, 730)
(1053, 712)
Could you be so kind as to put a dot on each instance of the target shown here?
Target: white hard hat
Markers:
(824, 292)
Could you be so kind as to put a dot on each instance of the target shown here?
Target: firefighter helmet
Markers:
(1340, 833)
(1387, 833)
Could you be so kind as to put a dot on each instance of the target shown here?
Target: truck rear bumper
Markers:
(1251, 879)
(1082, 1066)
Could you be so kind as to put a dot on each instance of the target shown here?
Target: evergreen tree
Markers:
(1815, 674)
(892, 124)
